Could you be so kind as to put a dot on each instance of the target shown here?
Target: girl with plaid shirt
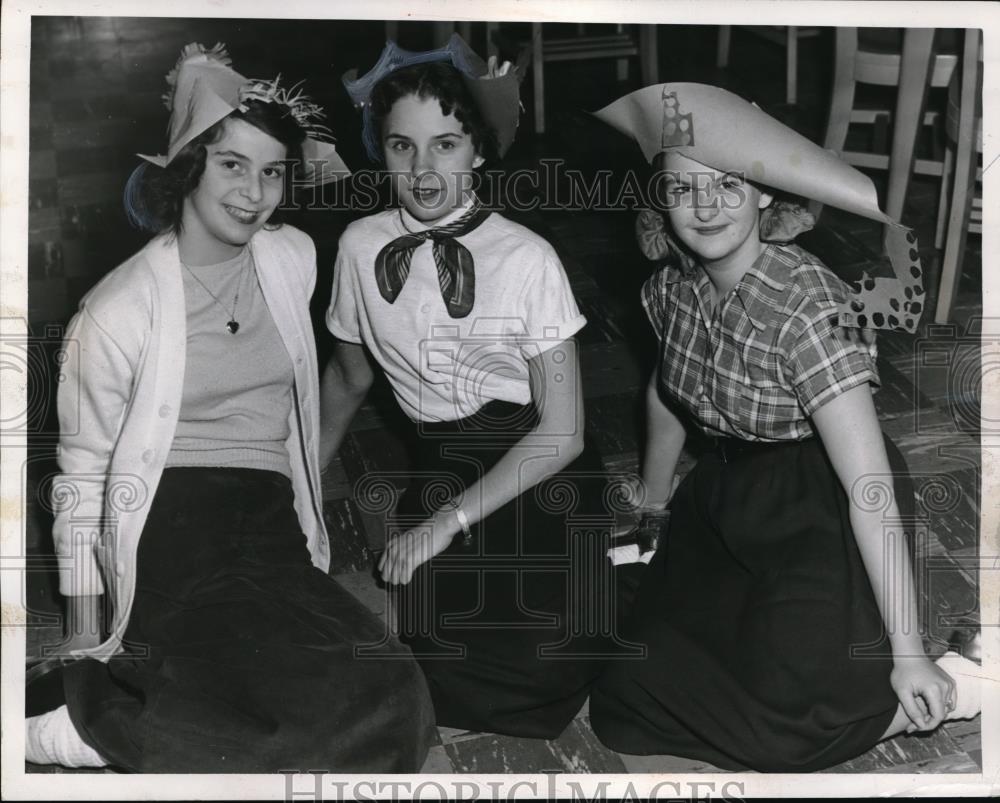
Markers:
(778, 612)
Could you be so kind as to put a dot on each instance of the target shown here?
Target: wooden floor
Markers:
(930, 409)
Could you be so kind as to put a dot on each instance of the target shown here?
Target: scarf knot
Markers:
(455, 265)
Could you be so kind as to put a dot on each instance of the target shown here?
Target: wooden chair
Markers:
(913, 71)
(780, 34)
(964, 128)
(620, 45)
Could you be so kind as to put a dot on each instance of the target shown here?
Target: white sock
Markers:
(51, 738)
(968, 677)
(629, 554)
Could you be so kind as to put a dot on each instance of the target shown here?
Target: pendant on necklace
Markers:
(233, 327)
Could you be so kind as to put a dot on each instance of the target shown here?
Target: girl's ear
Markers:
(765, 200)
(478, 161)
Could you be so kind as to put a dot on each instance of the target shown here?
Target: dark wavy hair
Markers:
(443, 82)
(154, 197)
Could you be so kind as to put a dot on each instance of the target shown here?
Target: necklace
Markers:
(232, 325)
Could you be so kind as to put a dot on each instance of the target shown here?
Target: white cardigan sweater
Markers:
(120, 398)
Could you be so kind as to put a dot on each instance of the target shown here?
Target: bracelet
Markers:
(636, 488)
(463, 521)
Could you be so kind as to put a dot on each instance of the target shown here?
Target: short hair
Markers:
(443, 82)
(154, 197)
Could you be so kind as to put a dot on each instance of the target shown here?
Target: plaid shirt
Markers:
(770, 356)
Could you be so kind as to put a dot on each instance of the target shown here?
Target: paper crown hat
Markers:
(725, 132)
(204, 89)
(495, 91)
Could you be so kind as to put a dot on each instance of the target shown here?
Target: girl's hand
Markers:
(926, 692)
(409, 550)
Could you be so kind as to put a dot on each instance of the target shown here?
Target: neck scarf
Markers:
(455, 266)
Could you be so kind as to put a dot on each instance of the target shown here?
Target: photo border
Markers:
(14, 75)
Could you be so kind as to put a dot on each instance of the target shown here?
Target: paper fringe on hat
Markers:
(204, 89)
(721, 130)
(495, 91)
(306, 113)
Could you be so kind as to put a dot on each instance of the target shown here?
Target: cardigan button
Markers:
(164, 411)
(120, 568)
(147, 456)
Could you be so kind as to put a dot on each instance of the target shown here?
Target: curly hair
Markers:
(154, 197)
(437, 80)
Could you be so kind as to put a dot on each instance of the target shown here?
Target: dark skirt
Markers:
(765, 646)
(511, 628)
(240, 654)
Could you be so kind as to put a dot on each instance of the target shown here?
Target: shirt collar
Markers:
(410, 225)
(760, 291)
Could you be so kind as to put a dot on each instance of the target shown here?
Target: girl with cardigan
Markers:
(189, 426)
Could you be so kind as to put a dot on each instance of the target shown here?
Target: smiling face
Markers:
(240, 188)
(715, 214)
(429, 156)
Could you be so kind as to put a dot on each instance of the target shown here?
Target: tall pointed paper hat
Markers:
(495, 90)
(725, 132)
(204, 89)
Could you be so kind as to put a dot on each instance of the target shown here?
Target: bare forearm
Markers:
(531, 460)
(343, 388)
(338, 409)
(848, 427)
(665, 438)
(554, 442)
(887, 562)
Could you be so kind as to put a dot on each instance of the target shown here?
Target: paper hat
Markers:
(495, 91)
(725, 132)
(204, 89)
